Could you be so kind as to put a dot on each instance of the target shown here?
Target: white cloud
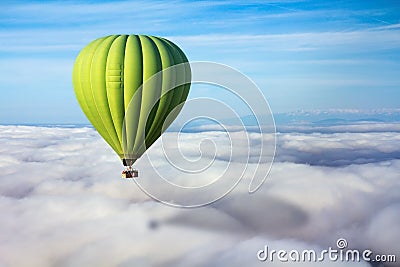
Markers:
(63, 203)
(338, 149)
(363, 40)
(70, 25)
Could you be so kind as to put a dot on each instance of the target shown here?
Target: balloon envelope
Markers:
(131, 87)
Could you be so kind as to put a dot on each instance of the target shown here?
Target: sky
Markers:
(303, 55)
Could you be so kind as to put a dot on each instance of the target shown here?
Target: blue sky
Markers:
(302, 54)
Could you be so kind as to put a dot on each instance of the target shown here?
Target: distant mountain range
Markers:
(336, 117)
(308, 118)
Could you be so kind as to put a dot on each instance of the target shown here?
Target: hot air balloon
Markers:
(131, 88)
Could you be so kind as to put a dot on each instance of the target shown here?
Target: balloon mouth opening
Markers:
(128, 161)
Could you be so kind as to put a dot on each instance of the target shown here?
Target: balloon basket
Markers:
(130, 172)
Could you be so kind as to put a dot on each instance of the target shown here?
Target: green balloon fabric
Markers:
(123, 86)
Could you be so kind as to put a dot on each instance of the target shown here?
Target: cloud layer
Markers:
(63, 203)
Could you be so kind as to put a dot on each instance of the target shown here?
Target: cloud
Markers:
(338, 149)
(63, 203)
(364, 40)
(52, 27)
(314, 144)
(55, 14)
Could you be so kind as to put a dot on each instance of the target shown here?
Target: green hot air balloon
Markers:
(131, 88)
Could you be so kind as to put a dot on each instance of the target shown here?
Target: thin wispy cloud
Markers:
(363, 39)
